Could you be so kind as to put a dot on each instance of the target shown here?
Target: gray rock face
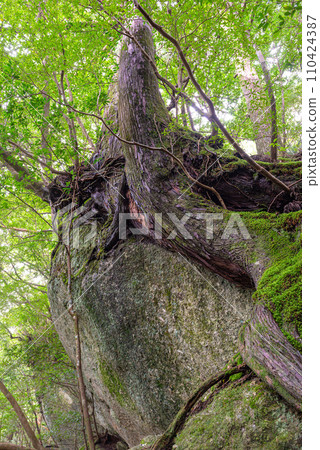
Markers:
(247, 416)
(153, 326)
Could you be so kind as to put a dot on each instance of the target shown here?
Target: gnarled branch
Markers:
(22, 174)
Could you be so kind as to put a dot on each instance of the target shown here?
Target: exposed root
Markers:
(89, 182)
(222, 385)
(166, 441)
(270, 355)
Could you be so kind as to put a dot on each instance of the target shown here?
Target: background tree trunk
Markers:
(253, 91)
(22, 417)
(273, 106)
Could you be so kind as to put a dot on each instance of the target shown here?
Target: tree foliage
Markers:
(59, 61)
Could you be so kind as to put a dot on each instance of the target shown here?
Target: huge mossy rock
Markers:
(248, 416)
(153, 327)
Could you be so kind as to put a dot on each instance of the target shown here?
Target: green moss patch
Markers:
(280, 290)
(230, 163)
(241, 417)
(284, 168)
(115, 386)
(280, 286)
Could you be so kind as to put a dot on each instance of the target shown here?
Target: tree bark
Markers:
(22, 418)
(8, 446)
(273, 107)
(270, 355)
(260, 118)
(155, 188)
(153, 184)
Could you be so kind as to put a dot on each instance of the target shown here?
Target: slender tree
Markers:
(22, 418)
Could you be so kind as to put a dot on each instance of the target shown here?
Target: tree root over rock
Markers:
(271, 356)
(221, 380)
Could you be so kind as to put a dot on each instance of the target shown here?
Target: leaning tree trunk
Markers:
(22, 418)
(157, 188)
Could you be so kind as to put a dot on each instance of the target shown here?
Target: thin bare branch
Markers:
(29, 155)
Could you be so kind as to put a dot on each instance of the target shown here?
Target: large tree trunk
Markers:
(156, 187)
(153, 184)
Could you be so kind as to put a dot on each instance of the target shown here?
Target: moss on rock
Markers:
(152, 329)
(279, 289)
(116, 388)
(242, 417)
(247, 416)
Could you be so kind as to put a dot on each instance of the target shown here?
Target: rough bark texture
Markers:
(132, 335)
(253, 94)
(270, 355)
(155, 187)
